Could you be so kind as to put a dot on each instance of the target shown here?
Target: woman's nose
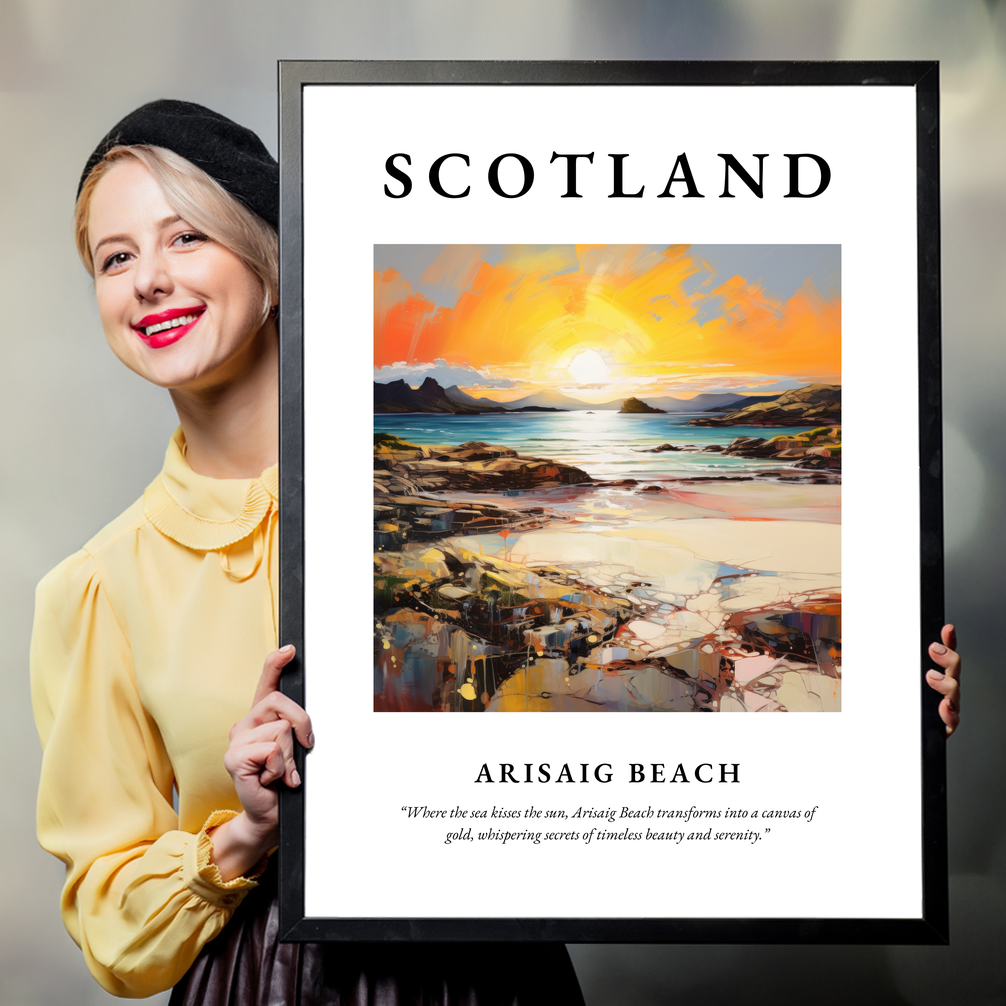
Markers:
(152, 277)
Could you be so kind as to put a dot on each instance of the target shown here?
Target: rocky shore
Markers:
(405, 474)
(401, 519)
(473, 466)
(818, 451)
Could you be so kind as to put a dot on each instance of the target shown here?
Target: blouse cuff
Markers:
(202, 876)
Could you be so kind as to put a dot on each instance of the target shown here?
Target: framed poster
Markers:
(571, 353)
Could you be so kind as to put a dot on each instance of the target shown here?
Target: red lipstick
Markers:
(166, 327)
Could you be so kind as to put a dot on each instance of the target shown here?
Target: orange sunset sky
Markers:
(599, 321)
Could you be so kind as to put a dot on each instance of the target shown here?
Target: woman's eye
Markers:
(114, 261)
(190, 238)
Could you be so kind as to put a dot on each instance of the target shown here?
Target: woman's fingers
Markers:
(271, 670)
(950, 716)
(949, 710)
(279, 736)
(270, 703)
(947, 680)
(274, 766)
(261, 761)
(948, 659)
(261, 749)
(277, 706)
(947, 686)
(949, 636)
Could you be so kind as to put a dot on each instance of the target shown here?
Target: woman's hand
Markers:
(947, 682)
(260, 753)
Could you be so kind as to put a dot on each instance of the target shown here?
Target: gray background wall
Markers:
(81, 436)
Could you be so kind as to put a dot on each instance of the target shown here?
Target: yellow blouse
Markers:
(147, 647)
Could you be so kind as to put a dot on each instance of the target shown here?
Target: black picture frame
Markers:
(932, 926)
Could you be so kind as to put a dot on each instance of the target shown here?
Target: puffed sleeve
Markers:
(141, 898)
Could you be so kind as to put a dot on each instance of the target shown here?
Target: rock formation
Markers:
(816, 403)
(820, 448)
(633, 406)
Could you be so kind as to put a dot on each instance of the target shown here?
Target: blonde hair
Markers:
(199, 200)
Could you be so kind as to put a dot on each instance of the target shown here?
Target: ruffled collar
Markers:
(203, 513)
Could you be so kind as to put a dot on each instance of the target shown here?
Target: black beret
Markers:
(230, 154)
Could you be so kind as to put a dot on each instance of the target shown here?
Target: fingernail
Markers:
(295, 777)
(938, 648)
(936, 675)
(310, 740)
(287, 649)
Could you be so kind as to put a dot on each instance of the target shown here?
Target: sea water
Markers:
(606, 445)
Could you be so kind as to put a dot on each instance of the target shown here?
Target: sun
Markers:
(588, 367)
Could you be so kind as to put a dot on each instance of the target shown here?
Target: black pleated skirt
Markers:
(246, 965)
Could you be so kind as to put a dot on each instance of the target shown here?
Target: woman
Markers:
(149, 642)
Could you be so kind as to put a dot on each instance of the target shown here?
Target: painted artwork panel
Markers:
(607, 478)
(715, 590)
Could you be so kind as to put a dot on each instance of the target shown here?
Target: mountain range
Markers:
(397, 396)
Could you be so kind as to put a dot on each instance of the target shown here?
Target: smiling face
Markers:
(177, 307)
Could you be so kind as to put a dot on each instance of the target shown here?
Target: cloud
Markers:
(444, 373)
